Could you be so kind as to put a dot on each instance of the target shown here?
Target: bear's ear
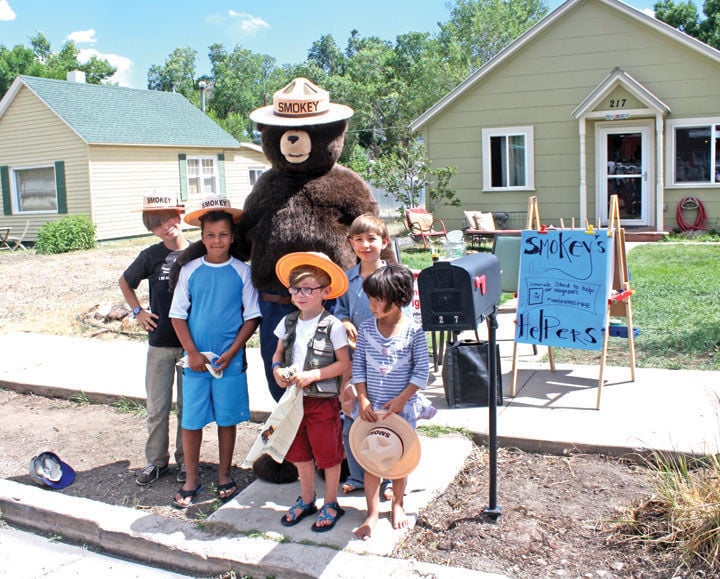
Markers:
(259, 127)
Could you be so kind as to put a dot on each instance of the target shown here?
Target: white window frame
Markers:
(670, 167)
(15, 192)
(254, 173)
(191, 175)
(526, 131)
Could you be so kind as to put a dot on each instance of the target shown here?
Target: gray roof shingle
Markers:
(106, 114)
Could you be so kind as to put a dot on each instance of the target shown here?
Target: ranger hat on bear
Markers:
(301, 103)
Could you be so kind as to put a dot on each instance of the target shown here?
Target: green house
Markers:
(67, 147)
(597, 99)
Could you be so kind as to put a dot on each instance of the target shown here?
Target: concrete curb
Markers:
(192, 549)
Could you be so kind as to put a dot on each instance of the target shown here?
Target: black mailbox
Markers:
(457, 295)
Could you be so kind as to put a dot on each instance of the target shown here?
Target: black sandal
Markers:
(185, 494)
(226, 487)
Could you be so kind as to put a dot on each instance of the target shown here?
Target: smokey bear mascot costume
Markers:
(305, 202)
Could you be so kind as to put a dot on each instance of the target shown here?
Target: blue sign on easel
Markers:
(563, 288)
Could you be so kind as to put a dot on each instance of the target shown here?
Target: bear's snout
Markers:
(295, 146)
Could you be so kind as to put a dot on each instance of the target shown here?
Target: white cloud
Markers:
(6, 13)
(82, 36)
(238, 24)
(649, 11)
(123, 75)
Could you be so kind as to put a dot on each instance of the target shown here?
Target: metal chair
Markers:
(421, 223)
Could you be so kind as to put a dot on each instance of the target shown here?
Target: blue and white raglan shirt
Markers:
(215, 299)
(388, 365)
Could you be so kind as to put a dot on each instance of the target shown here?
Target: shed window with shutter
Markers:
(202, 176)
(34, 189)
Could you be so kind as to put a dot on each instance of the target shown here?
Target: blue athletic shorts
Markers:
(207, 399)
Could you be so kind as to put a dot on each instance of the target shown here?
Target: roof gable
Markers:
(107, 114)
(619, 77)
(533, 33)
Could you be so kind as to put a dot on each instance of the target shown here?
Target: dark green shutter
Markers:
(60, 184)
(182, 162)
(5, 186)
(221, 173)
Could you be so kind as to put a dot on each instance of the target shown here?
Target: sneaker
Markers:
(150, 474)
(181, 474)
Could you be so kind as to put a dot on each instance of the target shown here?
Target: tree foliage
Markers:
(405, 172)
(387, 84)
(39, 60)
(684, 16)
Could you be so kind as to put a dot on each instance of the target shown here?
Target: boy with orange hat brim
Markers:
(312, 353)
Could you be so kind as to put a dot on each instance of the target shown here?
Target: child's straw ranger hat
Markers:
(288, 262)
(388, 448)
(160, 202)
(212, 203)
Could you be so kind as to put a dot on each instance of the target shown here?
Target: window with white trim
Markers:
(695, 152)
(34, 189)
(254, 174)
(508, 159)
(202, 176)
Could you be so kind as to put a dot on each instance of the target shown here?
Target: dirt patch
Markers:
(557, 511)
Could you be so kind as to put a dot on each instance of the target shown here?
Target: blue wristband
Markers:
(276, 365)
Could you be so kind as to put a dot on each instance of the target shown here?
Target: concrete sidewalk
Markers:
(665, 410)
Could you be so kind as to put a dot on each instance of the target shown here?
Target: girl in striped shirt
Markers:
(390, 365)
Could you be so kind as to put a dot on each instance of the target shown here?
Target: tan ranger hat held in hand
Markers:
(388, 448)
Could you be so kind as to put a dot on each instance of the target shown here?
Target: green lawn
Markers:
(676, 307)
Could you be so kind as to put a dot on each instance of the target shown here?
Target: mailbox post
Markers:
(456, 296)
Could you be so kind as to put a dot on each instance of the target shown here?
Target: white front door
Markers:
(625, 156)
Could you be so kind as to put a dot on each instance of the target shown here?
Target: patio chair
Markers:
(16, 241)
(421, 224)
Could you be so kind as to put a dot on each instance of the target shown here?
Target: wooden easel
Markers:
(533, 222)
(620, 302)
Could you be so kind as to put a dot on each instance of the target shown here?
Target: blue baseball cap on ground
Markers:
(47, 469)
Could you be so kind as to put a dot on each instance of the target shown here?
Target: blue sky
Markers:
(135, 34)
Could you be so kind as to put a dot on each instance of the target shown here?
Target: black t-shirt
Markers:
(153, 264)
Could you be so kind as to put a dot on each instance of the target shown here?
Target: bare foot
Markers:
(365, 530)
(399, 518)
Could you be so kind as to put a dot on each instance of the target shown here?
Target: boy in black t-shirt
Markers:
(161, 216)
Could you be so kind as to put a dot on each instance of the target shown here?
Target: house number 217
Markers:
(617, 103)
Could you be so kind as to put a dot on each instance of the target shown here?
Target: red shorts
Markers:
(319, 436)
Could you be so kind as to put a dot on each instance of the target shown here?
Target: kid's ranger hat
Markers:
(288, 262)
(47, 469)
(387, 448)
(301, 103)
(212, 203)
(160, 202)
